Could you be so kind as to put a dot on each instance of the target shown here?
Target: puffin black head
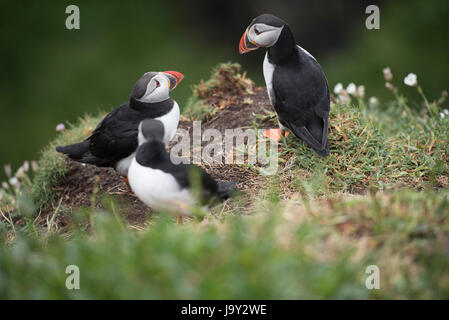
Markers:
(151, 129)
(155, 86)
(264, 31)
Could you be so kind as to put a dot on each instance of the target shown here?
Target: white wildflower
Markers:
(442, 115)
(446, 111)
(361, 91)
(373, 101)
(26, 166)
(388, 85)
(387, 74)
(8, 170)
(352, 89)
(20, 173)
(14, 182)
(411, 80)
(5, 185)
(34, 166)
(338, 88)
(60, 127)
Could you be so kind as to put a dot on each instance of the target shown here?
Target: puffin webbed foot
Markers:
(276, 135)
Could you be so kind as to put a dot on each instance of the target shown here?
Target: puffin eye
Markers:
(157, 84)
(256, 31)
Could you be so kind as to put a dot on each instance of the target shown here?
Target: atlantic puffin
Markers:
(161, 184)
(296, 84)
(114, 141)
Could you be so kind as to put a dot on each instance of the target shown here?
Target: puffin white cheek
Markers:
(160, 94)
(268, 38)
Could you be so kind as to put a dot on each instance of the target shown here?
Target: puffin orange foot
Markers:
(275, 134)
(126, 180)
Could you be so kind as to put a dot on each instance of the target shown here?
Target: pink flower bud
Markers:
(60, 127)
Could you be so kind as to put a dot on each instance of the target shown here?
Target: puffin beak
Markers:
(246, 45)
(174, 78)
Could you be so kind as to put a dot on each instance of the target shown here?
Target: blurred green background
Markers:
(49, 74)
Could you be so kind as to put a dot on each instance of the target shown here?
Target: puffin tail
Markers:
(226, 188)
(317, 129)
(79, 152)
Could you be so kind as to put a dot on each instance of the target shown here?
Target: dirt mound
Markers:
(77, 187)
(239, 111)
(82, 182)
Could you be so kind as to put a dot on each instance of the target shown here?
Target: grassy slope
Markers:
(52, 165)
(307, 237)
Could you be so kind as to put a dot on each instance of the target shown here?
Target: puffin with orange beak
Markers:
(296, 84)
(114, 141)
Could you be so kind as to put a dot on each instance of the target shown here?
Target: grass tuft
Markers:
(225, 79)
(52, 164)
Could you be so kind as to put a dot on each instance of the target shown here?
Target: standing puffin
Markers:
(296, 84)
(114, 141)
(161, 184)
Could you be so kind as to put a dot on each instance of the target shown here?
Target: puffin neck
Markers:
(284, 49)
(156, 109)
(151, 153)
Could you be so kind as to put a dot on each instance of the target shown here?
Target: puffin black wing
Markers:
(302, 101)
(114, 138)
(210, 188)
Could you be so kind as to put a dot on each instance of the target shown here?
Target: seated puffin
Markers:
(296, 84)
(114, 141)
(161, 184)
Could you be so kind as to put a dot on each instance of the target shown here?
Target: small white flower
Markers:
(8, 170)
(446, 111)
(411, 80)
(388, 85)
(338, 87)
(26, 165)
(14, 181)
(5, 185)
(352, 89)
(361, 91)
(442, 115)
(387, 74)
(373, 101)
(34, 166)
(60, 127)
(20, 173)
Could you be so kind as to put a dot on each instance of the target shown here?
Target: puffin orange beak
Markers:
(174, 78)
(246, 45)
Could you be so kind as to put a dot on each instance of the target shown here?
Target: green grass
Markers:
(377, 150)
(310, 234)
(290, 252)
(52, 164)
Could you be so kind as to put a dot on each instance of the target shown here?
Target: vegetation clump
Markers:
(226, 80)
